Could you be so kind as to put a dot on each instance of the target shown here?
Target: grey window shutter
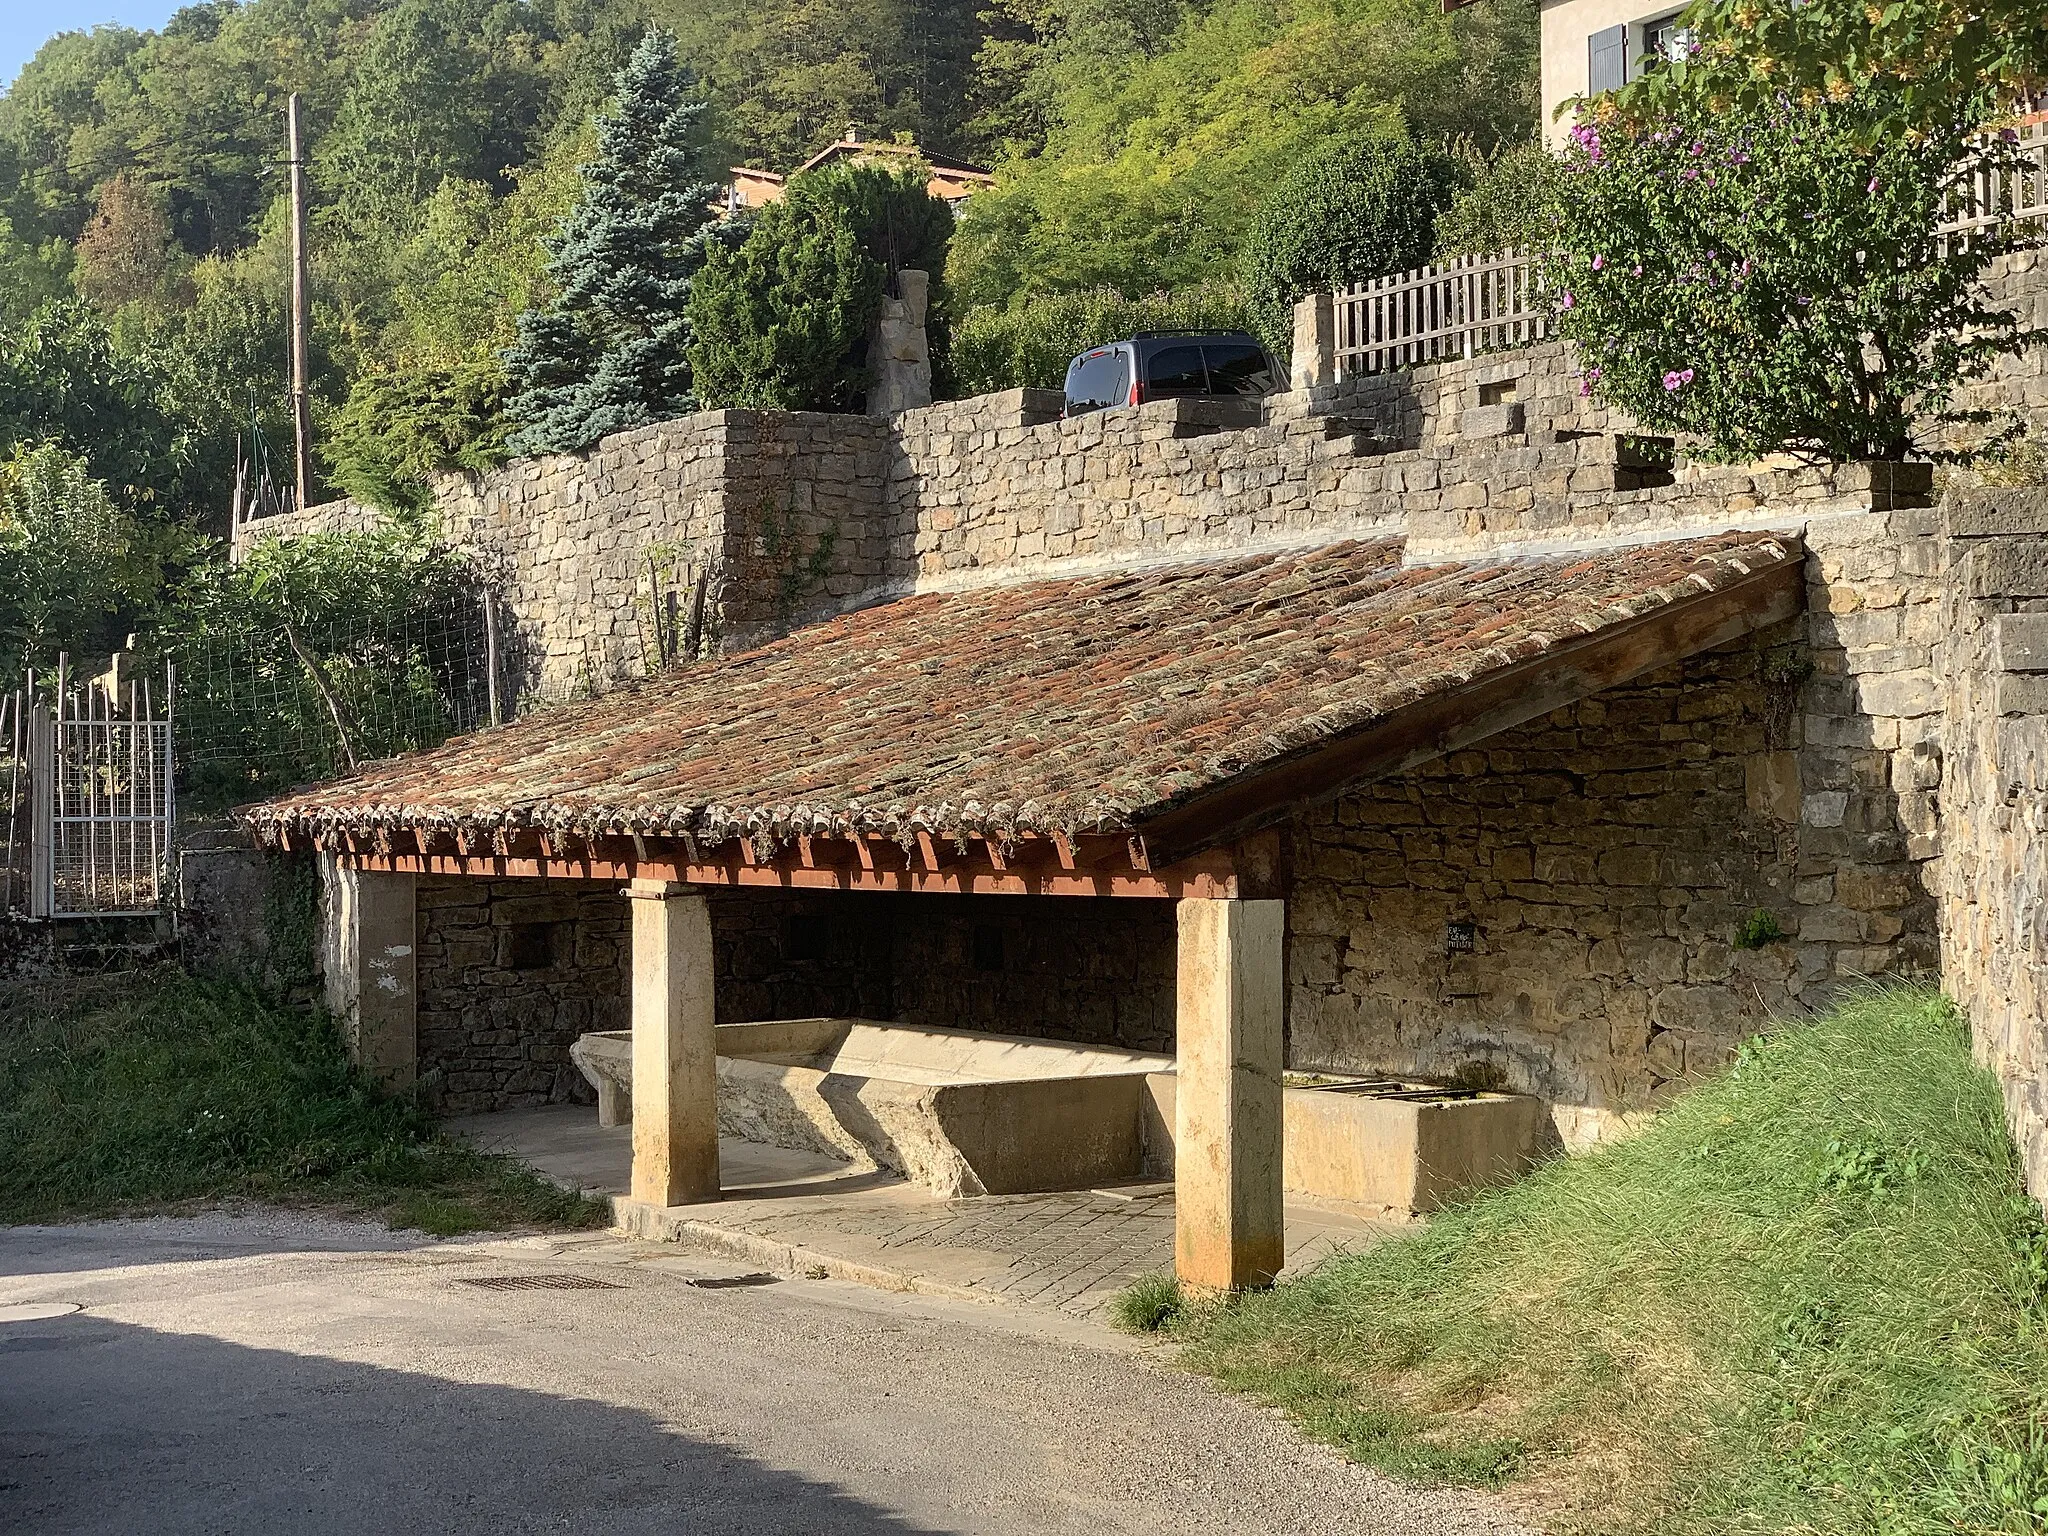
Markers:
(1607, 60)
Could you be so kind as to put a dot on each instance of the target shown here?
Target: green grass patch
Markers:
(1809, 1297)
(156, 1089)
(1148, 1304)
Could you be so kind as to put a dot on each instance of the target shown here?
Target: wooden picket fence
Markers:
(1466, 306)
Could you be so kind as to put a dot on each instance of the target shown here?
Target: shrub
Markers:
(377, 628)
(1354, 208)
(397, 429)
(1772, 283)
(782, 322)
(1029, 344)
(1509, 204)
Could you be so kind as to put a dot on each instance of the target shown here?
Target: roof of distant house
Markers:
(951, 180)
(1087, 704)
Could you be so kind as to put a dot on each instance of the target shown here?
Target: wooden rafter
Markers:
(1101, 866)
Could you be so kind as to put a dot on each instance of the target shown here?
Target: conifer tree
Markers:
(612, 351)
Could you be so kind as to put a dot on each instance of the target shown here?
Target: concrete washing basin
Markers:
(965, 1112)
(961, 1112)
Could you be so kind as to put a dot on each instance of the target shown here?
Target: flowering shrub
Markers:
(1768, 282)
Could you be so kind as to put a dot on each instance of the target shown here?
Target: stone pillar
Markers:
(675, 1054)
(1315, 342)
(899, 352)
(367, 960)
(1229, 1229)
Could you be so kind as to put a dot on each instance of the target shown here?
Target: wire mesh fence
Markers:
(260, 709)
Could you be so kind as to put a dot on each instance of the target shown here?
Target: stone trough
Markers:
(964, 1113)
(961, 1112)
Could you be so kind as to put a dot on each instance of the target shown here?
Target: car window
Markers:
(1175, 370)
(1098, 380)
(1238, 368)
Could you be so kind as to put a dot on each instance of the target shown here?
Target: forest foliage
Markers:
(454, 145)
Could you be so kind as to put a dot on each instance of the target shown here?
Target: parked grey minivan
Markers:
(1159, 365)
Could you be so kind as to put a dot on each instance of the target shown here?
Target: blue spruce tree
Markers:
(612, 351)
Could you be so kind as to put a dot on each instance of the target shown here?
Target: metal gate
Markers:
(89, 794)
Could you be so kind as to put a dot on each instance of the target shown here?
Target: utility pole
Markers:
(302, 398)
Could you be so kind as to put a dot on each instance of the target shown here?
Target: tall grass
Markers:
(150, 1089)
(1808, 1297)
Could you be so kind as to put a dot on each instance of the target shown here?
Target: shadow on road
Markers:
(106, 1427)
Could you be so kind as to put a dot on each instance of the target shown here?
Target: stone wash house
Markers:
(1428, 723)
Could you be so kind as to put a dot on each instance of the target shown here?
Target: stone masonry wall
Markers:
(1099, 970)
(778, 514)
(510, 972)
(2017, 384)
(1994, 889)
(1605, 858)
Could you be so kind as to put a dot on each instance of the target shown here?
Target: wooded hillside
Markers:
(140, 185)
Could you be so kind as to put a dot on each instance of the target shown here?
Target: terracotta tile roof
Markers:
(1071, 706)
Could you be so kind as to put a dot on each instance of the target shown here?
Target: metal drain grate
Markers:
(727, 1282)
(540, 1283)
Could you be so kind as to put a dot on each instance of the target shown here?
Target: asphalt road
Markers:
(274, 1372)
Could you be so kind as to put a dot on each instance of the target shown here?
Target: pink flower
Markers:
(1638, 271)
(1677, 379)
(1599, 262)
(1567, 302)
(1874, 185)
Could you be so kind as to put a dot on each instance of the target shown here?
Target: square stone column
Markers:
(1315, 342)
(675, 1053)
(1229, 1228)
(367, 964)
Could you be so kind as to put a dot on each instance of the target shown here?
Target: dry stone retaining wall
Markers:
(1994, 890)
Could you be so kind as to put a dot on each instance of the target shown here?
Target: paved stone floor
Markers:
(805, 1213)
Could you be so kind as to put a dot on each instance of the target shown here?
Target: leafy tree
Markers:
(1772, 281)
(1902, 68)
(786, 77)
(1510, 203)
(1154, 163)
(138, 418)
(127, 254)
(75, 570)
(781, 322)
(612, 351)
(1352, 208)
